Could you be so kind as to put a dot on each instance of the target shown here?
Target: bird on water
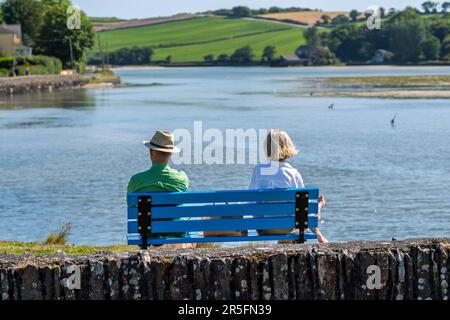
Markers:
(393, 120)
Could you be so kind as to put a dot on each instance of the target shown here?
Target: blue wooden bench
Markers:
(150, 213)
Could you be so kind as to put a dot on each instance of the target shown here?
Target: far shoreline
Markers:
(126, 68)
(350, 67)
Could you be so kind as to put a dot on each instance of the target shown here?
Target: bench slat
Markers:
(218, 210)
(313, 207)
(136, 239)
(273, 195)
(222, 224)
(313, 221)
(217, 225)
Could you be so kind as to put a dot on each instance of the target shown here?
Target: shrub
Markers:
(6, 63)
(243, 55)
(222, 58)
(431, 48)
(209, 58)
(60, 237)
(36, 64)
(52, 65)
(446, 47)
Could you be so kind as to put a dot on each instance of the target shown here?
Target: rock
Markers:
(220, 279)
(5, 293)
(279, 275)
(29, 282)
(201, 278)
(97, 280)
(113, 279)
(180, 285)
(240, 283)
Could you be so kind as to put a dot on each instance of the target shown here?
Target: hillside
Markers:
(190, 40)
(115, 24)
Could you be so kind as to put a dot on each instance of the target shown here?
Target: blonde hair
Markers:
(279, 146)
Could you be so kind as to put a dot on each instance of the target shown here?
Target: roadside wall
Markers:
(29, 84)
(411, 269)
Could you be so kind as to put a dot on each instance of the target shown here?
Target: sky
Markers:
(150, 8)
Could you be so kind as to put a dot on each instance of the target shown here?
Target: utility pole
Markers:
(14, 54)
(71, 55)
(102, 55)
(107, 53)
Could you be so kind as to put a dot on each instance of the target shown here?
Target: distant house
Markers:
(381, 56)
(11, 40)
(293, 60)
(315, 55)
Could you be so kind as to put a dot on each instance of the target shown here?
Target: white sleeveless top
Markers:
(276, 175)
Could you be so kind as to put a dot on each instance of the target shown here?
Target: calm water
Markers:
(68, 156)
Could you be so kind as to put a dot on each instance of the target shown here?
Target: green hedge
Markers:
(6, 63)
(36, 64)
(51, 64)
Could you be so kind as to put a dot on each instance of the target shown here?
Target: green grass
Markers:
(191, 40)
(17, 248)
(285, 42)
(7, 247)
(105, 77)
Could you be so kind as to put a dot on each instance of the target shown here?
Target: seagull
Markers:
(331, 106)
(393, 120)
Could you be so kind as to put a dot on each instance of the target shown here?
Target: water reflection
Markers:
(66, 98)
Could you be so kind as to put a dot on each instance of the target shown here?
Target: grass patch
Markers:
(7, 247)
(58, 241)
(106, 76)
(17, 248)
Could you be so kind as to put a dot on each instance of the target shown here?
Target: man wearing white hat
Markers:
(160, 177)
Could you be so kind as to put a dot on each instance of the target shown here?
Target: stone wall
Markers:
(19, 85)
(411, 269)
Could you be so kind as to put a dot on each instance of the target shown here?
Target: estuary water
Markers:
(67, 156)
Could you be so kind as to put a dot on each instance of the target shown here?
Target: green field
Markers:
(191, 40)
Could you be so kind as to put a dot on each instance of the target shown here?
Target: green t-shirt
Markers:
(160, 178)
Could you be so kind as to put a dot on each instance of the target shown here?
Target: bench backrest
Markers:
(183, 212)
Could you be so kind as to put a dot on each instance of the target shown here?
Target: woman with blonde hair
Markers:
(279, 174)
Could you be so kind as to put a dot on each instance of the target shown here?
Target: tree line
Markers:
(44, 28)
(125, 56)
(243, 11)
(242, 56)
(406, 36)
